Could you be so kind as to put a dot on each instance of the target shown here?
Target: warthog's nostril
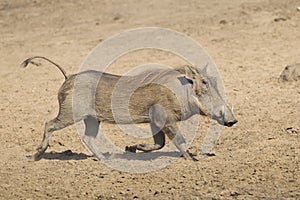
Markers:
(231, 123)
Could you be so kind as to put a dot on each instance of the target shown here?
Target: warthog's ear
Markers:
(204, 70)
(190, 72)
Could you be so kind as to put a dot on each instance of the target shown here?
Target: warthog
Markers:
(290, 73)
(185, 92)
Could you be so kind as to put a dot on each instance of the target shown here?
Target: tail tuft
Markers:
(26, 62)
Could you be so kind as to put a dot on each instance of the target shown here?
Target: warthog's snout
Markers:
(226, 117)
(226, 122)
(229, 119)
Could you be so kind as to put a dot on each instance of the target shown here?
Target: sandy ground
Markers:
(250, 41)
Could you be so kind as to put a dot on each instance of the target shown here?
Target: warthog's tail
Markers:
(29, 60)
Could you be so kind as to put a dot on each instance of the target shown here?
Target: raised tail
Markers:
(28, 60)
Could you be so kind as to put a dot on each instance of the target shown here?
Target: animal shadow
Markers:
(65, 155)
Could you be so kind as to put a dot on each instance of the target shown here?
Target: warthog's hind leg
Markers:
(50, 127)
(159, 141)
(157, 117)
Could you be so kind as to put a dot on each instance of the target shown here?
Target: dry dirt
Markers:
(250, 41)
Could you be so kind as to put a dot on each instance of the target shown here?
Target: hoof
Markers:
(39, 154)
(130, 149)
(208, 154)
(39, 148)
(35, 157)
(194, 159)
(192, 155)
(189, 156)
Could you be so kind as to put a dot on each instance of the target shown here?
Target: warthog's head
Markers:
(208, 98)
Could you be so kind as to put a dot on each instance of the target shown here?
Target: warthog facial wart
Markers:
(165, 97)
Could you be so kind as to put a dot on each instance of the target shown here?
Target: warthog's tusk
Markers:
(223, 111)
(201, 107)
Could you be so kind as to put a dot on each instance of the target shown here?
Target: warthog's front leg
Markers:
(178, 140)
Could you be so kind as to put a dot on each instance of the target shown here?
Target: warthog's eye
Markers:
(205, 82)
(287, 67)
